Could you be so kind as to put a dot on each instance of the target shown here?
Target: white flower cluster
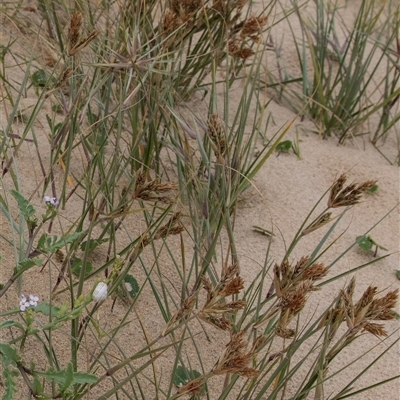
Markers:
(51, 201)
(24, 303)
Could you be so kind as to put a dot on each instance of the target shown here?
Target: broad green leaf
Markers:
(398, 273)
(45, 308)
(284, 147)
(131, 285)
(373, 189)
(77, 267)
(39, 78)
(365, 243)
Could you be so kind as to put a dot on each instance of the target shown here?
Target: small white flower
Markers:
(128, 286)
(100, 292)
(51, 201)
(24, 303)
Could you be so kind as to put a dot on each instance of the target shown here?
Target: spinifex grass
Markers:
(140, 194)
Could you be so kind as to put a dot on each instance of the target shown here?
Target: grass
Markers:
(346, 70)
(141, 187)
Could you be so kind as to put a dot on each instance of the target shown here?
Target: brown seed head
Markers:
(284, 333)
(253, 27)
(218, 322)
(315, 272)
(171, 22)
(232, 287)
(236, 49)
(192, 387)
(349, 195)
(216, 131)
(74, 29)
(375, 329)
(235, 358)
(186, 7)
(321, 221)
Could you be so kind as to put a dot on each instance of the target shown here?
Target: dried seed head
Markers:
(283, 332)
(375, 329)
(216, 131)
(186, 7)
(315, 272)
(232, 287)
(300, 266)
(74, 29)
(321, 221)
(235, 305)
(236, 49)
(350, 287)
(235, 359)
(381, 309)
(294, 300)
(253, 27)
(349, 195)
(192, 387)
(171, 22)
(228, 273)
(207, 285)
(218, 322)
(182, 314)
(172, 227)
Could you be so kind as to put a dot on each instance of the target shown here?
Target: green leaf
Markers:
(37, 386)
(284, 147)
(27, 263)
(24, 206)
(39, 78)
(373, 189)
(60, 376)
(10, 323)
(46, 309)
(182, 376)
(365, 243)
(9, 354)
(46, 244)
(77, 267)
(131, 285)
(69, 378)
(398, 273)
(10, 385)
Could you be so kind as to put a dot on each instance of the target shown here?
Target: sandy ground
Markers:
(284, 192)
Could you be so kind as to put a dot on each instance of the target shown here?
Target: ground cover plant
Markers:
(127, 214)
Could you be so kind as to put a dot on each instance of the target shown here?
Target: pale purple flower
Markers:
(24, 303)
(51, 201)
(33, 300)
